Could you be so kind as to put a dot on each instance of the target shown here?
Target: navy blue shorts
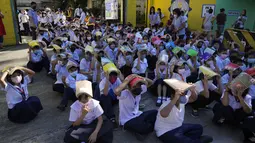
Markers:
(1, 39)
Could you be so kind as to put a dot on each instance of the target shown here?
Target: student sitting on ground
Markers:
(169, 125)
(140, 64)
(21, 107)
(234, 107)
(86, 117)
(69, 91)
(61, 72)
(38, 58)
(129, 95)
(107, 96)
(86, 64)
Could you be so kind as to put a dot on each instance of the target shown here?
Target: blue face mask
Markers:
(251, 60)
(37, 52)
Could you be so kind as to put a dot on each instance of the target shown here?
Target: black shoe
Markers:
(206, 139)
(61, 107)
(115, 124)
(140, 137)
(194, 113)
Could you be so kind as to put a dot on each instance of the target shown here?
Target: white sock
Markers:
(159, 100)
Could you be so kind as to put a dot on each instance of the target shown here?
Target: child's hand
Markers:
(93, 137)
(85, 109)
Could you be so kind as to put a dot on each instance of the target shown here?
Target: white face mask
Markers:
(175, 16)
(89, 38)
(74, 73)
(181, 71)
(60, 63)
(16, 79)
(118, 35)
(162, 67)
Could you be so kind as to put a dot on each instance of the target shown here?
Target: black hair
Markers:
(160, 13)
(8, 78)
(210, 11)
(177, 11)
(113, 73)
(32, 3)
(222, 10)
(151, 10)
(244, 12)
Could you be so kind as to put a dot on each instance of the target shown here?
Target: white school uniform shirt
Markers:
(236, 105)
(252, 91)
(222, 63)
(143, 66)
(161, 73)
(85, 65)
(71, 82)
(200, 87)
(225, 79)
(61, 71)
(111, 86)
(13, 95)
(181, 78)
(129, 105)
(173, 120)
(151, 49)
(95, 111)
(112, 54)
(82, 18)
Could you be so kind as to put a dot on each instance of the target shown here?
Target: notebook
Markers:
(231, 67)
(177, 84)
(207, 71)
(241, 82)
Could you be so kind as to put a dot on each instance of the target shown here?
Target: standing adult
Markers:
(25, 22)
(69, 13)
(179, 23)
(185, 18)
(33, 19)
(221, 20)
(239, 24)
(153, 17)
(207, 21)
(2, 30)
(161, 15)
(77, 12)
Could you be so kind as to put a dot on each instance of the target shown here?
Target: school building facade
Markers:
(130, 9)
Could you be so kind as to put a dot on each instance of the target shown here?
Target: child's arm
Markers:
(29, 72)
(168, 108)
(124, 85)
(138, 66)
(205, 84)
(85, 111)
(2, 80)
(225, 100)
(106, 86)
(93, 136)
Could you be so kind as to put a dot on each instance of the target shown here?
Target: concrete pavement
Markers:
(50, 125)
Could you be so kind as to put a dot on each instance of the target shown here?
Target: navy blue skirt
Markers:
(25, 111)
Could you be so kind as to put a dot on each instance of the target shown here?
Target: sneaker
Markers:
(206, 139)
(140, 137)
(61, 107)
(164, 100)
(115, 124)
(159, 102)
(194, 113)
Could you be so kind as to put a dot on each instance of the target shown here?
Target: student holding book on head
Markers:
(206, 90)
(21, 107)
(169, 125)
(235, 101)
(129, 94)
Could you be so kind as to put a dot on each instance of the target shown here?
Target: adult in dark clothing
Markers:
(221, 20)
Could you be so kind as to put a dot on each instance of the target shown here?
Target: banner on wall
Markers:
(233, 12)
(206, 7)
(111, 9)
(181, 4)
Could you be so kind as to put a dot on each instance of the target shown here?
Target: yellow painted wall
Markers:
(131, 11)
(195, 20)
(9, 38)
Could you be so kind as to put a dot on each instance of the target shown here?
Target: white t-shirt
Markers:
(129, 105)
(236, 105)
(13, 95)
(111, 86)
(85, 65)
(61, 71)
(200, 87)
(173, 120)
(143, 66)
(95, 111)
